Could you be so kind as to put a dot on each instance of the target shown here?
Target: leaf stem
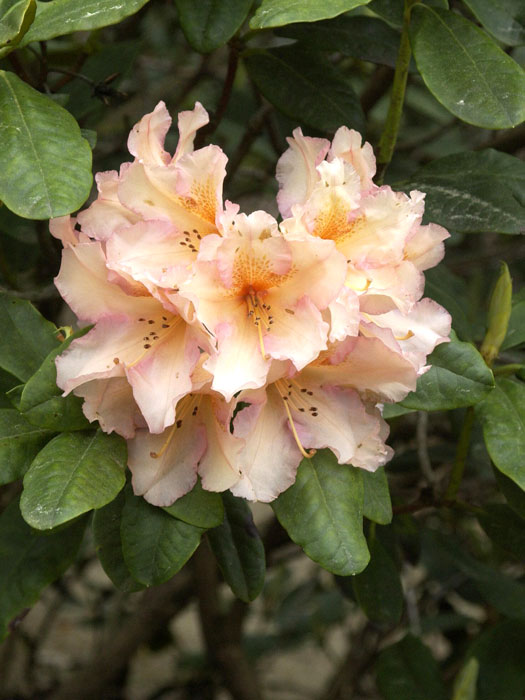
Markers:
(388, 139)
(461, 456)
(508, 369)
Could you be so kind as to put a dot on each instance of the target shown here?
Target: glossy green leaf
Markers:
(208, 24)
(71, 475)
(108, 544)
(276, 13)
(516, 328)
(366, 38)
(60, 17)
(42, 402)
(514, 495)
(450, 291)
(502, 415)
(378, 588)
(505, 528)
(500, 650)
(323, 512)
(458, 377)
(198, 507)
(238, 549)
(26, 337)
(305, 87)
(155, 545)
(473, 192)
(15, 19)
(30, 561)
(465, 70)
(45, 163)
(377, 505)
(466, 680)
(20, 441)
(498, 315)
(407, 670)
(504, 19)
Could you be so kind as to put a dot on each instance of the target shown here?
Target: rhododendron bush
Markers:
(254, 306)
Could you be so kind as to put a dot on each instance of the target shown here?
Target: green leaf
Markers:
(505, 528)
(276, 13)
(26, 337)
(378, 588)
(41, 401)
(465, 683)
(516, 328)
(458, 377)
(20, 441)
(505, 594)
(305, 87)
(500, 651)
(198, 507)
(473, 192)
(45, 163)
(502, 415)
(108, 543)
(15, 19)
(504, 19)
(323, 513)
(376, 504)
(30, 561)
(208, 24)
(366, 38)
(155, 545)
(514, 495)
(239, 550)
(60, 17)
(450, 291)
(74, 473)
(406, 670)
(465, 70)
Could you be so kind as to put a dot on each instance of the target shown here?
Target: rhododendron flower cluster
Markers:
(228, 345)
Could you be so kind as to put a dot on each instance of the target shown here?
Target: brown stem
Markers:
(222, 631)
(157, 606)
(233, 62)
(255, 125)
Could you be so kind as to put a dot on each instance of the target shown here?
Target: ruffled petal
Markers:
(83, 283)
(189, 122)
(296, 170)
(348, 145)
(107, 213)
(217, 467)
(146, 139)
(111, 402)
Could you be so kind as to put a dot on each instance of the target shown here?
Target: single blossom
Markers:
(261, 297)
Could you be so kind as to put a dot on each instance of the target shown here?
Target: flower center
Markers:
(259, 312)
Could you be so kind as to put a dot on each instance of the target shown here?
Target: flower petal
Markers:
(111, 402)
(296, 170)
(217, 467)
(189, 122)
(146, 139)
(164, 467)
(347, 144)
(264, 427)
(83, 283)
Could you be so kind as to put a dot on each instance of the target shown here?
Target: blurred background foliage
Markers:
(440, 610)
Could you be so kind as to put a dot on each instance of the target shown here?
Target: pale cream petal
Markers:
(83, 283)
(347, 144)
(296, 170)
(217, 467)
(164, 467)
(269, 461)
(189, 122)
(146, 139)
(111, 402)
